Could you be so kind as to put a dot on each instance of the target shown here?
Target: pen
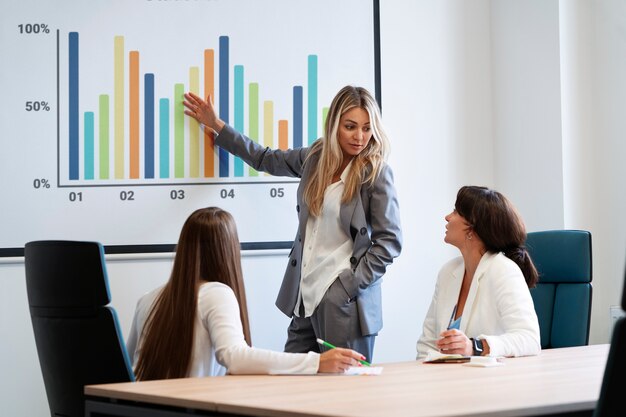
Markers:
(452, 318)
(328, 345)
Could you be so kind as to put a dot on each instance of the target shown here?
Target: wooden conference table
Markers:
(557, 381)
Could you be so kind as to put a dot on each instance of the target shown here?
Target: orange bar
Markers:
(209, 89)
(133, 122)
(283, 134)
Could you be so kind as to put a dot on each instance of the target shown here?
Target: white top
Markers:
(499, 308)
(219, 343)
(327, 249)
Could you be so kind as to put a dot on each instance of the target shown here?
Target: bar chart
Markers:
(140, 136)
(95, 143)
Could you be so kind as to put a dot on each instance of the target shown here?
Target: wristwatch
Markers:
(477, 345)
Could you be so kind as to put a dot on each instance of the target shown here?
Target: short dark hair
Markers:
(498, 224)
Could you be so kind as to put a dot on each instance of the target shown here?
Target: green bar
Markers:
(179, 131)
(253, 122)
(103, 132)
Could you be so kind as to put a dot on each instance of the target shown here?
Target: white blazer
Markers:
(499, 308)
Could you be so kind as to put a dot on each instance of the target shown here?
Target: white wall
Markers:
(527, 109)
(437, 108)
(593, 65)
(473, 93)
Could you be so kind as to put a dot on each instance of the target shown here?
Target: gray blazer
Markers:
(372, 218)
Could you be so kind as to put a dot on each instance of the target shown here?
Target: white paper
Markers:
(483, 361)
(364, 370)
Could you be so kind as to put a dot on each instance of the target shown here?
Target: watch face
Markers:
(478, 346)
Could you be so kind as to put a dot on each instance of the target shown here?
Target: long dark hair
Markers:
(498, 224)
(208, 250)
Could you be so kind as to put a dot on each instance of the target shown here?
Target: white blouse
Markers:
(219, 345)
(327, 249)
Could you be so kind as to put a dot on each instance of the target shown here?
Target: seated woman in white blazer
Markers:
(197, 323)
(482, 303)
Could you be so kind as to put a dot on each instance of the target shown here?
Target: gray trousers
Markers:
(335, 320)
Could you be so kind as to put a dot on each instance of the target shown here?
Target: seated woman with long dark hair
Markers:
(197, 323)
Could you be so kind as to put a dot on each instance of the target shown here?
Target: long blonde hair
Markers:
(208, 250)
(365, 166)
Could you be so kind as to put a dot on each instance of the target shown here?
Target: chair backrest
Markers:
(78, 338)
(562, 297)
(611, 402)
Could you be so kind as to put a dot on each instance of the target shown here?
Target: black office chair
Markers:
(77, 336)
(611, 403)
(562, 297)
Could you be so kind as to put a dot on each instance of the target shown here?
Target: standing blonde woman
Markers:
(349, 221)
(197, 324)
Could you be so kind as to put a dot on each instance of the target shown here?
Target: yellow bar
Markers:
(268, 123)
(118, 106)
(194, 127)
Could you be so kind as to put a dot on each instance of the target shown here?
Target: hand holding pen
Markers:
(360, 358)
(454, 341)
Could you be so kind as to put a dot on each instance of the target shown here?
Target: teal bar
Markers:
(89, 144)
(312, 98)
(164, 138)
(238, 166)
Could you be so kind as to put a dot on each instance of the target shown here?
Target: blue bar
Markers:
(73, 105)
(89, 144)
(297, 116)
(223, 82)
(164, 138)
(148, 125)
(238, 165)
(312, 98)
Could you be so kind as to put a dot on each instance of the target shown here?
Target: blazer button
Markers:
(294, 262)
(298, 208)
(363, 230)
(353, 260)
